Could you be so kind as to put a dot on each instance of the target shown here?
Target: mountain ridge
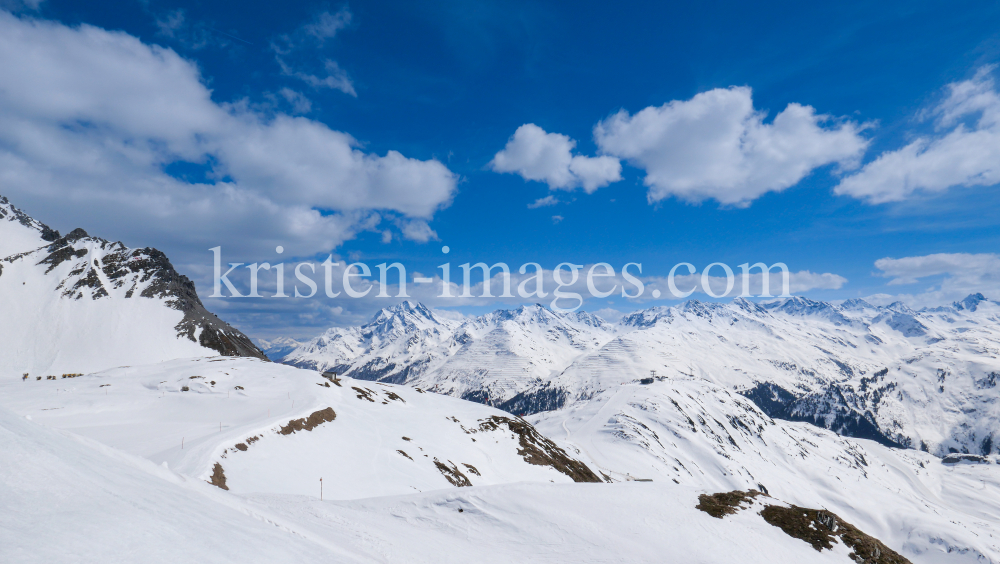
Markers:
(861, 370)
(71, 280)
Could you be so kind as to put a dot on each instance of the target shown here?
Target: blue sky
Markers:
(447, 84)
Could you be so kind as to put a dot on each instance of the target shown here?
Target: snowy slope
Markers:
(77, 303)
(922, 379)
(19, 232)
(377, 440)
(688, 431)
(564, 523)
(68, 499)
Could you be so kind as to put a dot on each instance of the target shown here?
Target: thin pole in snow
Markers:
(182, 443)
(220, 426)
(321, 489)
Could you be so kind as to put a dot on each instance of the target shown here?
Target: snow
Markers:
(66, 499)
(924, 378)
(696, 434)
(110, 460)
(18, 233)
(82, 304)
(47, 333)
(546, 523)
(69, 499)
(143, 411)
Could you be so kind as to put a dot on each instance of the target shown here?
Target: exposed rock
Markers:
(537, 449)
(314, 420)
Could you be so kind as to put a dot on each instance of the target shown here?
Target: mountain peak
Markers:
(19, 232)
(971, 302)
(77, 279)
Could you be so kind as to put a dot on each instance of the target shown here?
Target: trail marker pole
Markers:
(321, 489)
(182, 443)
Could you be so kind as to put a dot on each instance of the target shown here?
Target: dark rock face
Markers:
(957, 458)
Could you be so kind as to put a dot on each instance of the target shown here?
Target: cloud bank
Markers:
(964, 151)
(949, 276)
(97, 125)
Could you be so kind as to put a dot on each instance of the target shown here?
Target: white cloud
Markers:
(548, 157)
(91, 119)
(312, 35)
(300, 104)
(950, 276)
(543, 202)
(798, 283)
(609, 314)
(336, 78)
(417, 230)
(716, 146)
(968, 154)
(557, 219)
(326, 25)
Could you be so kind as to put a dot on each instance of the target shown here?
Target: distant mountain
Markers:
(77, 303)
(489, 358)
(919, 379)
(277, 349)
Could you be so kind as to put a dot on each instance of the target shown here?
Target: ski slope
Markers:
(69, 499)
(383, 439)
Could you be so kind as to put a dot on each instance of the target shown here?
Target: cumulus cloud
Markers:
(417, 230)
(949, 276)
(717, 146)
(548, 157)
(95, 125)
(965, 150)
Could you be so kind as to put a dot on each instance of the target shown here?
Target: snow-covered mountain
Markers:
(687, 431)
(410, 472)
(921, 379)
(76, 303)
(490, 358)
(277, 349)
(818, 405)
